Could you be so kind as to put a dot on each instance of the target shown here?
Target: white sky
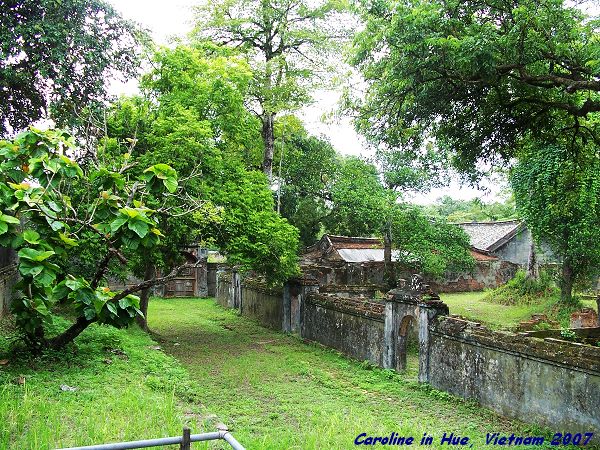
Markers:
(166, 19)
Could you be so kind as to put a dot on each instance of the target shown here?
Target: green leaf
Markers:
(89, 313)
(67, 240)
(31, 236)
(73, 284)
(112, 308)
(139, 227)
(9, 219)
(170, 184)
(118, 223)
(35, 255)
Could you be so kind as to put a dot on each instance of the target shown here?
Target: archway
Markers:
(404, 330)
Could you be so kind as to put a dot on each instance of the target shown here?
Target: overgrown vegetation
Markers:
(515, 301)
(524, 290)
(51, 208)
(123, 389)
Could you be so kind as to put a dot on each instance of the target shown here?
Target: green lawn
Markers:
(277, 392)
(472, 306)
(273, 390)
(124, 391)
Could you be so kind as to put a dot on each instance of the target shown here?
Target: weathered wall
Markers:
(263, 304)
(546, 381)
(8, 277)
(486, 275)
(223, 288)
(352, 326)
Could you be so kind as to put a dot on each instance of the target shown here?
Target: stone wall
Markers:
(546, 381)
(8, 277)
(486, 275)
(353, 326)
(262, 304)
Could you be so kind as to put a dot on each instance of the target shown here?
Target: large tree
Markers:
(193, 117)
(558, 195)
(57, 56)
(477, 77)
(46, 219)
(288, 43)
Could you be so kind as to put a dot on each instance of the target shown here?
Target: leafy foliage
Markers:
(558, 195)
(472, 210)
(433, 246)
(287, 42)
(194, 119)
(56, 56)
(43, 224)
(478, 77)
(523, 290)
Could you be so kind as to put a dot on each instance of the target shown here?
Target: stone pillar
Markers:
(306, 287)
(430, 308)
(236, 284)
(286, 326)
(389, 336)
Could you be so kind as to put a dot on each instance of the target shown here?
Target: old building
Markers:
(337, 261)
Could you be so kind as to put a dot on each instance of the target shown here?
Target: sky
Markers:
(166, 19)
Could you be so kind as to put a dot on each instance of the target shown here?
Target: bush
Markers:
(522, 290)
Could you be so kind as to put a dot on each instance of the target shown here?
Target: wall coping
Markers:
(570, 355)
(369, 309)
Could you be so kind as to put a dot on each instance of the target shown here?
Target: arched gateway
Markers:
(408, 303)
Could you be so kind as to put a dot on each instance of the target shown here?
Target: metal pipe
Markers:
(232, 441)
(163, 441)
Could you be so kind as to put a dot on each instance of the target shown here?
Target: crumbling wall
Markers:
(486, 275)
(8, 277)
(354, 326)
(546, 381)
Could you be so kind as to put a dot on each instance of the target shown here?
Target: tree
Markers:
(57, 56)
(193, 117)
(558, 195)
(477, 77)
(287, 43)
(42, 221)
(454, 210)
(430, 245)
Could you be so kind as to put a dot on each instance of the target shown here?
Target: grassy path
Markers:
(277, 392)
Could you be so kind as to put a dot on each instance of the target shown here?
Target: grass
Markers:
(124, 391)
(474, 306)
(273, 390)
(277, 392)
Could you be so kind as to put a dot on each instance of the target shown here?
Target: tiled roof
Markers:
(490, 235)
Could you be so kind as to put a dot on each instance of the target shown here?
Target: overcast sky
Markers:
(171, 18)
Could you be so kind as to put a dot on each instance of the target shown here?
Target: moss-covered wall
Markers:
(545, 381)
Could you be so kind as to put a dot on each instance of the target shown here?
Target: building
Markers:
(337, 261)
(509, 240)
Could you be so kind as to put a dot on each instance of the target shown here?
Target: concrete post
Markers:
(236, 282)
(286, 326)
(389, 336)
(429, 309)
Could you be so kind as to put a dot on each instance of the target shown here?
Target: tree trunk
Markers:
(268, 136)
(71, 333)
(142, 321)
(532, 264)
(390, 276)
(566, 285)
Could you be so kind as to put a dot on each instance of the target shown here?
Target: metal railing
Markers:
(184, 441)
